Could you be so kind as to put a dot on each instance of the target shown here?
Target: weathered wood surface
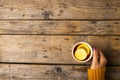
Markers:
(60, 9)
(48, 57)
(60, 27)
(50, 72)
(43, 72)
(53, 49)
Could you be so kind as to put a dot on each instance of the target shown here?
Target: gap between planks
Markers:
(66, 34)
(31, 63)
(60, 19)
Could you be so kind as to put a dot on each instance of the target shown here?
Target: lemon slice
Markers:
(80, 54)
(85, 47)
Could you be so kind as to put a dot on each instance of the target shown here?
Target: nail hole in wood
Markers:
(107, 4)
(23, 15)
(11, 9)
(116, 23)
(1, 5)
(116, 39)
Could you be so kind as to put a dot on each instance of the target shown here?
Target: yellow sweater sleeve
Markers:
(96, 74)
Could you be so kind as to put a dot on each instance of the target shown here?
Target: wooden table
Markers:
(36, 37)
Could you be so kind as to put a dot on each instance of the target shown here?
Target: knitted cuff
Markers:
(96, 74)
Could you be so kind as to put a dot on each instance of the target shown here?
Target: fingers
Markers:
(95, 63)
(103, 60)
(99, 59)
(95, 56)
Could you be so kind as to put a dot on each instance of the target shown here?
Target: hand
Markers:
(99, 60)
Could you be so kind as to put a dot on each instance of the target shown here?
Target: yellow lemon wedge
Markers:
(85, 47)
(80, 54)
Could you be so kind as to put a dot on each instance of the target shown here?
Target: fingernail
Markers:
(95, 48)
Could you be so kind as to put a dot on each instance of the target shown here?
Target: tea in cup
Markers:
(82, 52)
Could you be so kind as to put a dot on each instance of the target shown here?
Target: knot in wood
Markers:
(58, 70)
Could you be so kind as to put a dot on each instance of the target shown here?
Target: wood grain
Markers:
(50, 72)
(53, 49)
(60, 27)
(60, 9)
(36, 37)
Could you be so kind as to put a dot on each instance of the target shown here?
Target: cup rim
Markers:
(82, 42)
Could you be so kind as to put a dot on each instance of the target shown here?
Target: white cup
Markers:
(88, 58)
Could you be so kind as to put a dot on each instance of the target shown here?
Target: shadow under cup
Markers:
(89, 56)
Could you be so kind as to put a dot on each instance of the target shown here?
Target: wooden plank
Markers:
(60, 27)
(60, 9)
(54, 49)
(51, 72)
